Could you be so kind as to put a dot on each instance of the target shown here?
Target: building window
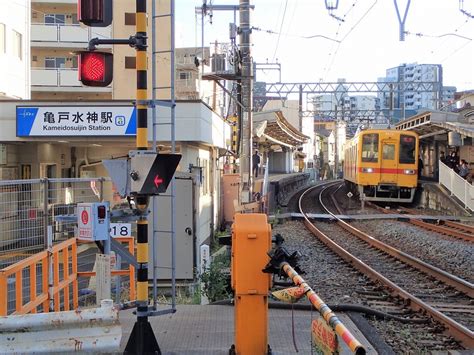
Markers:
(2, 38)
(130, 62)
(55, 62)
(130, 19)
(17, 44)
(54, 19)
(184, 75)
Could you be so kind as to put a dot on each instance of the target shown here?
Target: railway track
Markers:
(452, 229)
(444, 297)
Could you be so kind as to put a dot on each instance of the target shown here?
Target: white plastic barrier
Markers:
(91, 330)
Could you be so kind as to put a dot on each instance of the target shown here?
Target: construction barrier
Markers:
(94, 330)
(39, 279)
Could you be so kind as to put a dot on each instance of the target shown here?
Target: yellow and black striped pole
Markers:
(142, 339)
(234, 122)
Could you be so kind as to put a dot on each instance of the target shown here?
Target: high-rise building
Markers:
(411, 98)
(15, 49)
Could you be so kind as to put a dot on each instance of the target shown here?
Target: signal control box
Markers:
(93, 221)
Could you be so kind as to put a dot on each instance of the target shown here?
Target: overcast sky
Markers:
(368, 37)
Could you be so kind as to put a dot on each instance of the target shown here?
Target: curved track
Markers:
(419, 284)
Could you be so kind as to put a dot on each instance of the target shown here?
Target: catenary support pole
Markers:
(246, 86)
(142, 339)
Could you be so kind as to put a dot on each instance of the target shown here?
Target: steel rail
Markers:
(467, 230)
(465, 235)
(456, 330)
(461, 226)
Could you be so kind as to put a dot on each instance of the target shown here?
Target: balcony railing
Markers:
(53, 77)
(67, 33)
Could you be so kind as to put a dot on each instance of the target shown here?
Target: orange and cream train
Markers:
(382, 165)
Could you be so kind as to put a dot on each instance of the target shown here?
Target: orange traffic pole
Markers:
(331, 319)
(251, 241)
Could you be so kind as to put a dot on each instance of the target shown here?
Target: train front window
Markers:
(370, 148)
(407, 149)
(388, 152)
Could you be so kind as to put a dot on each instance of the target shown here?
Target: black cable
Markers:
(342, 307)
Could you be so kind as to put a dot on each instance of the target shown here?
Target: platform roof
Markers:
(433, 123)
(273, 126)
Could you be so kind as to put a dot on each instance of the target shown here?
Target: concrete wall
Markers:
(124, 84)
(40, 9)
(281, 190)
(436, 197)
(42, 53)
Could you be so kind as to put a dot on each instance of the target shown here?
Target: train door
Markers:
(388, 163)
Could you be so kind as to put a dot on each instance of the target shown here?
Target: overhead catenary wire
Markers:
(293, 35)
(330, 55)
(454, 52)
(281, 28)
(445, 40)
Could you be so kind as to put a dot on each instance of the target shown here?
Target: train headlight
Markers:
(367, 170)
(409, 172)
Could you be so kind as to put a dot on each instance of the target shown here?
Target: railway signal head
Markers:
(95, 68)
(95, 13)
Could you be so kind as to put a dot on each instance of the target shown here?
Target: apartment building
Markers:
(411, 98)
(15, 49)
(56, 37)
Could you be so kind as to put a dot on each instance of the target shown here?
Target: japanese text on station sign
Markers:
(76, 121)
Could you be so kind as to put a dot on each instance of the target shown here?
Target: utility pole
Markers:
(246, 92)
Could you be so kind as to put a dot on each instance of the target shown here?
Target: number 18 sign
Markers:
(120, 230)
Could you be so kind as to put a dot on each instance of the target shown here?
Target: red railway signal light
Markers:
(96, 68)
(95, 13)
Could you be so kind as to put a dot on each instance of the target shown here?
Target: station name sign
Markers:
(63, 121)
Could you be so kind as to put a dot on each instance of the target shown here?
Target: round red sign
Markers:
(84, 217)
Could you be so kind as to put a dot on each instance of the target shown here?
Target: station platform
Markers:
(209, 329)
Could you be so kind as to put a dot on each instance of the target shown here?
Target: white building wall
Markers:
(14, 60)
(309, 146)
(341, 140)
(331, 149)
(198, 156)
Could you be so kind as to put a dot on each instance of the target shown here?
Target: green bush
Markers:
(216, 279)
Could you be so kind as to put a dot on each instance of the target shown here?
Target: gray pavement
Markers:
(200, 330)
